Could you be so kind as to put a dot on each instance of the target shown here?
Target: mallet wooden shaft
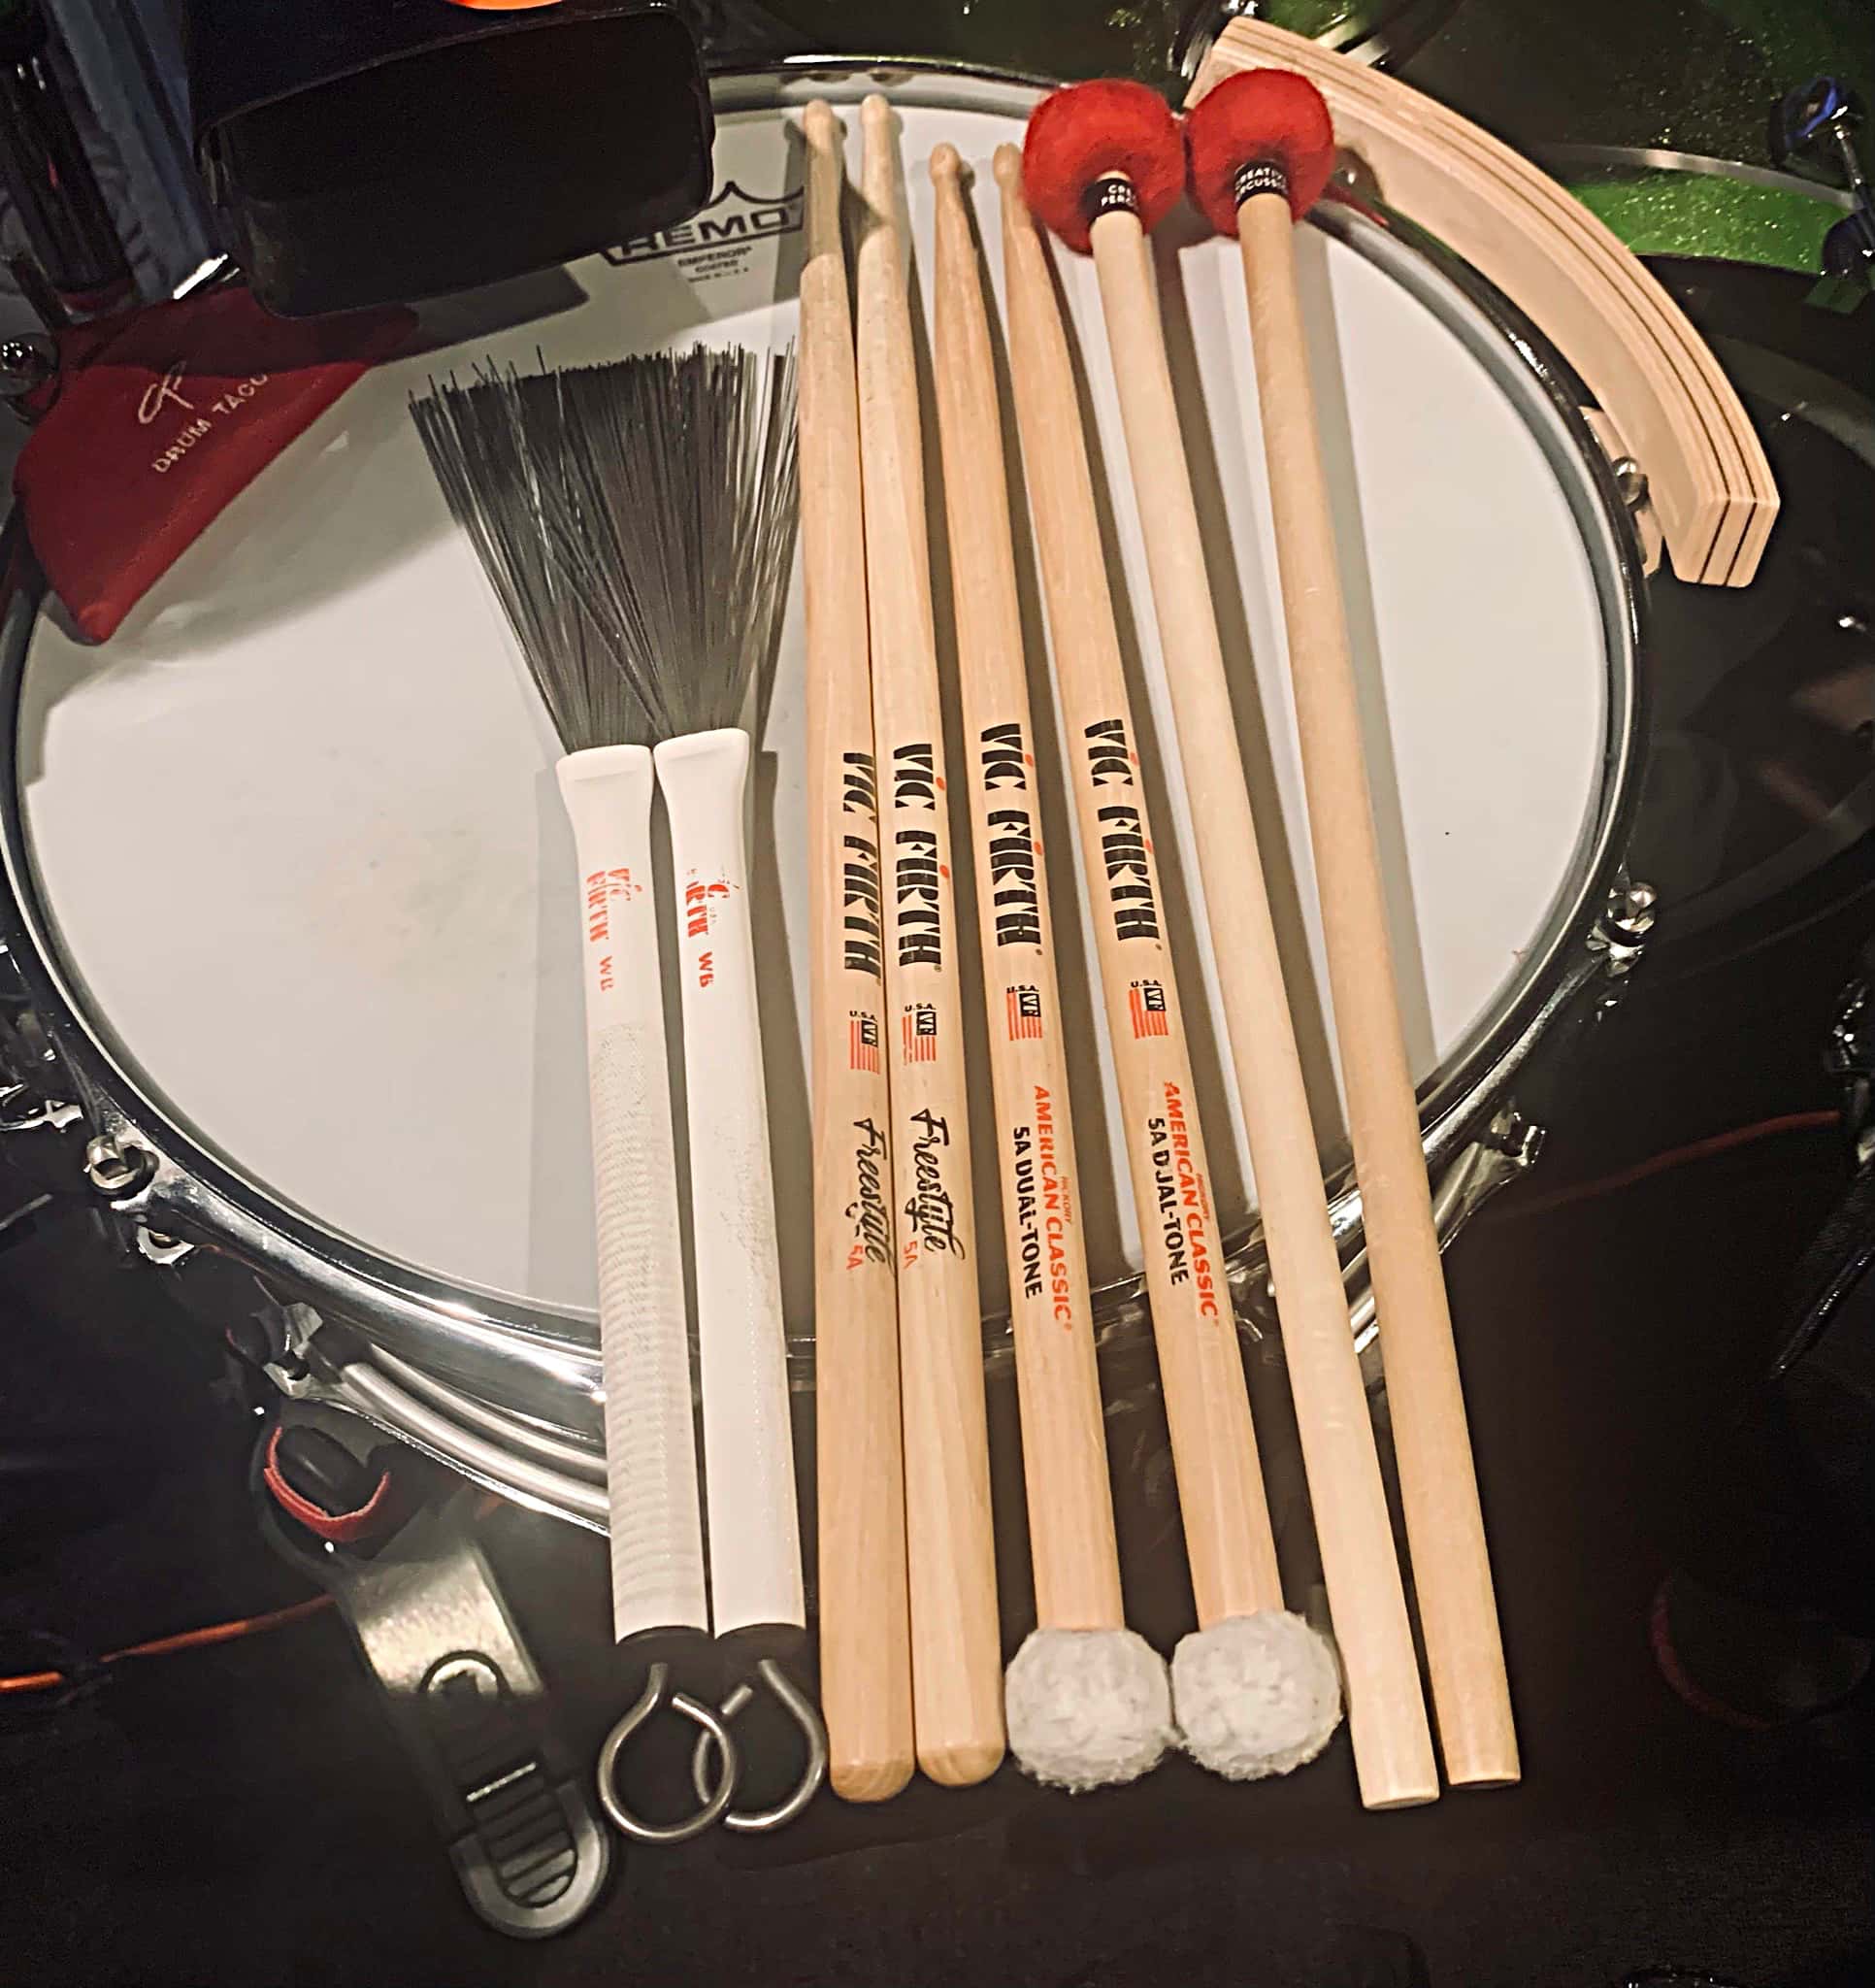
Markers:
(1393, 1745)
(1214, 1447)
(1438, 1482)
(956, 1659)
(864, 1614)
(1064, 1441)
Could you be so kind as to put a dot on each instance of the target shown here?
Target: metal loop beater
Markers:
(806, 1714)
(715, 1731)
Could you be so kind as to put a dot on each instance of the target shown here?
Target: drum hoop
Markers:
(542, 1362)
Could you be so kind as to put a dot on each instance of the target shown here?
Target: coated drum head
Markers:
(295, 828)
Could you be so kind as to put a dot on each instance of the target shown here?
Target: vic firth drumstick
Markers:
(865, 1623)
(956, 1655)
(1067, 1722)
(1227, 1525)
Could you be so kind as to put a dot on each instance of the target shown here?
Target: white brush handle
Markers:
(645, 1348)
(748, 1445)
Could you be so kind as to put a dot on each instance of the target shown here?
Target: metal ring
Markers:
(656, 1683)
(806, 1714)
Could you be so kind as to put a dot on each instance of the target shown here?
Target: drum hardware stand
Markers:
(311, 1361)
(1815, 126)
(23, 1109)
(24, 1050)
(1850, 1058)
(27, 1106)
(456, 1678)
(1393, 36)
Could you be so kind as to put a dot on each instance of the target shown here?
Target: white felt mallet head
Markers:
(1256, 1694)
(1088, 1708)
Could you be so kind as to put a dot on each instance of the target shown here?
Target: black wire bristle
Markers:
(637, 522)
(499, 453)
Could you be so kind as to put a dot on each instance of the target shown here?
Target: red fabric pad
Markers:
(1089, 131)
(159, 419)
(1259, 114)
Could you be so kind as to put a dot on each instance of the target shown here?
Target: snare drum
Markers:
(292, 899)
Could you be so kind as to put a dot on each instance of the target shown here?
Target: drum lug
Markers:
(293, 1329)
(118, 1169)
(1516, 1139)
(1502, 1152)
(1630, 484)
(163, 1250)
(1622, 934)
(122, 1170)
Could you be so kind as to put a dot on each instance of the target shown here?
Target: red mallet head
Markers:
(1259, 118)
(1095, 131)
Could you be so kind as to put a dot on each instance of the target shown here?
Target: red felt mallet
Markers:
(1255, 1689)
(1091, 151)
(1260, 148)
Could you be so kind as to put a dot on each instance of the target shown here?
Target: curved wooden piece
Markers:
(1709, 483)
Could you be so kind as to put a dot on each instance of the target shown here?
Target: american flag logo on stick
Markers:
(863, 1043)
(920, 1026)
(1146, 998)
(1025, 1014)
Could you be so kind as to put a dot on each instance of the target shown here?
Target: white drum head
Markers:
(297, 831)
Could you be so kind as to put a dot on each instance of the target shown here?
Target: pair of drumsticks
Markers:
(1255, 1694)
(910, 1649)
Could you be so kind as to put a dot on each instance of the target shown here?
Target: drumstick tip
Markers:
(876, 111)
(817, 122)
(946, 165)
(1008, 167)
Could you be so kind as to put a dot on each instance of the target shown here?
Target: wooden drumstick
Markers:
(1092, 1704)
(1260, 145)
(1393, 1744)
(865, 1622)
(956, 1648)
(1229, 1686)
